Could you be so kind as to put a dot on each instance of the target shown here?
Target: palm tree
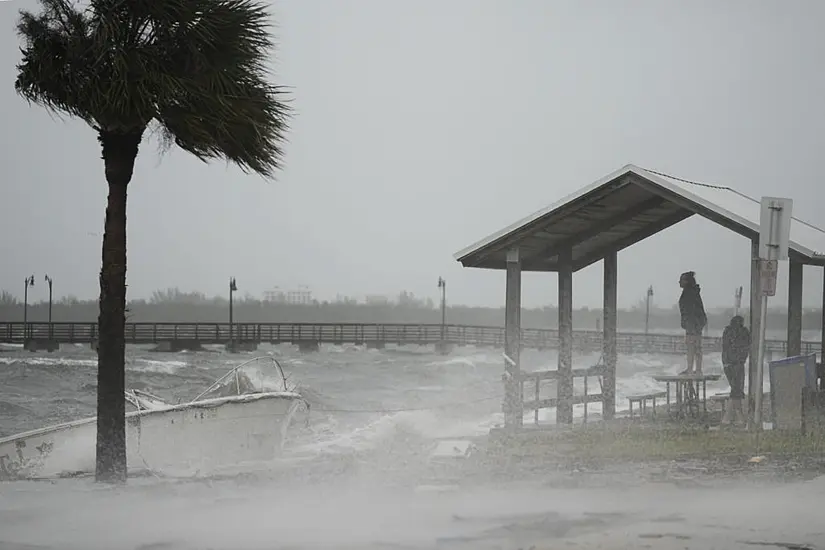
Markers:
(195, 71)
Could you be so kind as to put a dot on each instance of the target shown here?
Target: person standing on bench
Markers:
(736, 346)
(694, 320)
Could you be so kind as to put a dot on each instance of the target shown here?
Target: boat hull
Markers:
(179, 440)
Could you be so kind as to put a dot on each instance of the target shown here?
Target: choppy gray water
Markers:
(357, 476)
(348, 386)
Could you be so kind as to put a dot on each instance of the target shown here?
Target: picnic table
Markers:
(687, 388)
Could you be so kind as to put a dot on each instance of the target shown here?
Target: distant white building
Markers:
(376, 300)
(275, 295)
(301, 296)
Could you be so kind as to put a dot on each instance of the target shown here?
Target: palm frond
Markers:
(196, 67)
(53, 69)
(245, 126)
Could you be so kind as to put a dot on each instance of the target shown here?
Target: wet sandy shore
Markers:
(461, 504)
(222, 516)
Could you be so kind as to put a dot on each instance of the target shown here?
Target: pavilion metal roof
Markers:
(621, 209)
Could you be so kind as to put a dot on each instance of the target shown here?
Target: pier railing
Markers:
(357, 333)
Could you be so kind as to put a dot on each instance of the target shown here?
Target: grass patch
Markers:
(636, 443)
(640, 443)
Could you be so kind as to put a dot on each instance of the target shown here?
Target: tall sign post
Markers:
(774, 234)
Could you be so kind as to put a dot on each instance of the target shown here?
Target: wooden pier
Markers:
(311, 335)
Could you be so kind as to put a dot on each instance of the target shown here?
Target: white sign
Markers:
(775, 228)
(767, 276)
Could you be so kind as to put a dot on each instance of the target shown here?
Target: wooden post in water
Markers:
(794, 308)
(609, 352)
(513, 399)
(564, 409)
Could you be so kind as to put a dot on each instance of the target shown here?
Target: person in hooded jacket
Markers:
(736, 346)
(694, 319)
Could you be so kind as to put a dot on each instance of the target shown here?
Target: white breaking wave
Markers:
(369, 401)
(162, 367)
(48, 361)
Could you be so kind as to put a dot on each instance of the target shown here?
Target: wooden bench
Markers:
(643, 399)
(722, 398)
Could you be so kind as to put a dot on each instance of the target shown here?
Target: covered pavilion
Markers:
(594, 224)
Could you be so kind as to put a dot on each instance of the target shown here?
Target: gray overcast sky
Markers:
(422, 126)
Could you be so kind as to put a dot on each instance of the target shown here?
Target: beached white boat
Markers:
(228, 424)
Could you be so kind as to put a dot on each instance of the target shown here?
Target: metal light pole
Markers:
(737, 301)
(50, 281)
(647, 309)
(232, 289)
(442, 284)
(29, 282)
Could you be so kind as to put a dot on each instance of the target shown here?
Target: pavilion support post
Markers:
(609, 336)
(755, 312)
(564, 409)
(513, 398)
(794, 346)
(822, 330)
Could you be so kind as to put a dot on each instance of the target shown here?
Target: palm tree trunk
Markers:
(119, 153)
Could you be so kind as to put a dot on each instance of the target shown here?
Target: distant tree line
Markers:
(174, 305)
